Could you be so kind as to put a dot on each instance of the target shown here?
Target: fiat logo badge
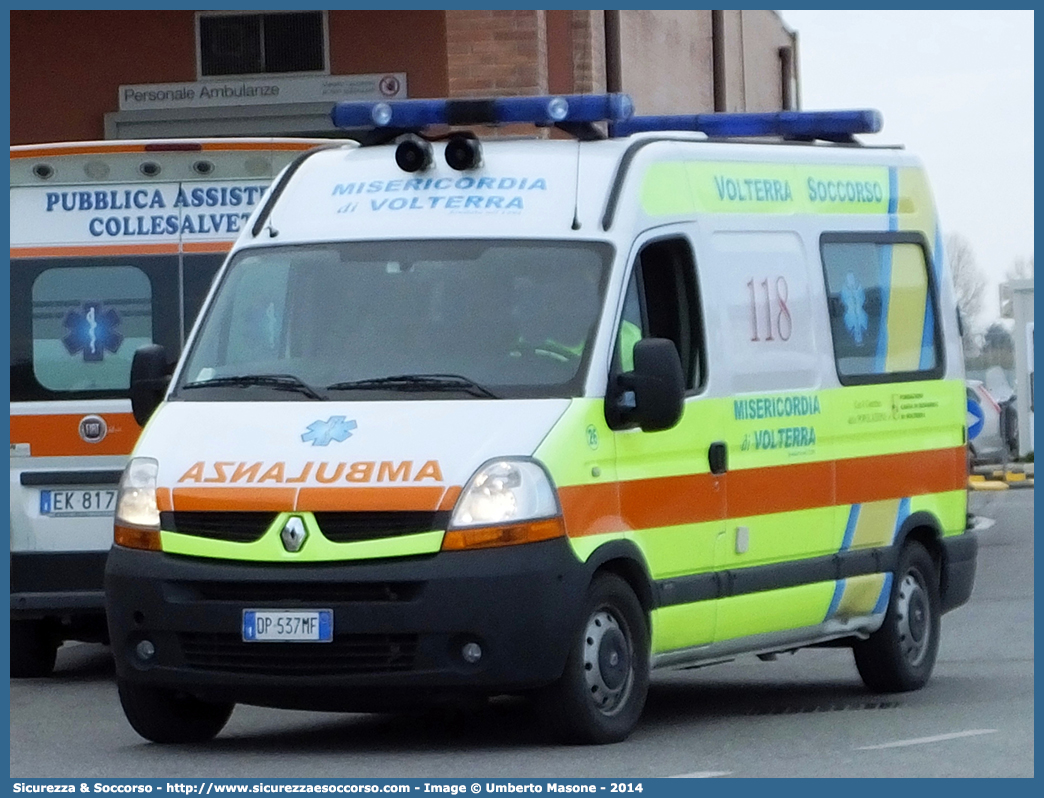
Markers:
(93, 428)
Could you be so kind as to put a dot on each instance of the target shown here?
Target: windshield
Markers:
(400, 320)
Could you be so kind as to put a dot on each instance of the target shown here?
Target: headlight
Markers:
(503, 491)
(505, 502)
(137, 519)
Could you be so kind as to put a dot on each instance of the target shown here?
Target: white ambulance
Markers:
(113, 245)
(467, 417)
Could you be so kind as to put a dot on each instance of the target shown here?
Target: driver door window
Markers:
(661, 302)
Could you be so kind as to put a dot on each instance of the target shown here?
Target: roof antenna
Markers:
(576, 190)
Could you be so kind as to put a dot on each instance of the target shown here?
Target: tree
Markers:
(968, 280)
(1020, 269)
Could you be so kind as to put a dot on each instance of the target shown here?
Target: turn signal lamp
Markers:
(541, 110)
(824, 125)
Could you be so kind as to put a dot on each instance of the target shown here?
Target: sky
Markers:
(955, 88)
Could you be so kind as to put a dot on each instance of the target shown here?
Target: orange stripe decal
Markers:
(241, 499)
(759, 491)
(96, 251)
(206, 246)
(163, 500)
(449, 498)
(635, 504)
(59, 435)
(696, 498)
(669, 501)
(50, 152)
(591, 509)
(893, 476)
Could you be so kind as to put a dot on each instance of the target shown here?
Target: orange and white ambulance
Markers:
(113, 245)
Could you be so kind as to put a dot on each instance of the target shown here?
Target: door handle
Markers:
(718, 458)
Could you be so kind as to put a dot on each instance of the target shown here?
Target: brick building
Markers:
(81, 75)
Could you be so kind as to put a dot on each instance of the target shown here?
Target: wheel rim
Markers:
(608, 668)
(914, 616)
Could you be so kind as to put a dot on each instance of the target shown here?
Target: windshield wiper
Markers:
(417, 382)
(280, 382)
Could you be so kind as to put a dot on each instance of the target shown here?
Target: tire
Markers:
(899, 656)
(34, 649)
(602, 691)
(169, 716)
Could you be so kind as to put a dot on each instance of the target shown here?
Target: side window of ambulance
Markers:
(87, 324)
(76, 322)
(882, 308)
(661, 302)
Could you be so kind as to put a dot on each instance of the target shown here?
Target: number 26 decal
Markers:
(771, 317)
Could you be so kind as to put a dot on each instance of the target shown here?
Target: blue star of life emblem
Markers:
(854, 298)
(335, 428)
(92, 330)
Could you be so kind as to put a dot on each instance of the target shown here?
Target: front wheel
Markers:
(169, 716)
(901, 654)
(602, 691)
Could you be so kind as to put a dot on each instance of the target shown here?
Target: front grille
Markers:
(345, 654)
(337, 527)
(344, 527)
(238, 527)
(314, 593)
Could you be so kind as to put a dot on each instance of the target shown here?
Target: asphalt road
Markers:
(803, 715)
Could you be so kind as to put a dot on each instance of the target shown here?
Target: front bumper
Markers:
(957, 578)
(57, 584)
(399, 625)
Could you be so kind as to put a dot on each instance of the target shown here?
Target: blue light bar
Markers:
(543, 110)
(826, 125)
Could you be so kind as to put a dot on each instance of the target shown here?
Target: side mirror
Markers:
(148, 381)
(652, 396)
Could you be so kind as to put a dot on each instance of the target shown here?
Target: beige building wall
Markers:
(762, 36)
(667, 60)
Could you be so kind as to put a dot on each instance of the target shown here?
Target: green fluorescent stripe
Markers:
(848, 423)
(687, 187)
(316, 548)
(771, 611)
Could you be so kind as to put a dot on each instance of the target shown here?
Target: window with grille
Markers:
(268, 43)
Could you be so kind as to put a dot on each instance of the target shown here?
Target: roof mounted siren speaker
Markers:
(413, 154)
(463, 153)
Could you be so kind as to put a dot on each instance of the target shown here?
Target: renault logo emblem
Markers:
(293, 534)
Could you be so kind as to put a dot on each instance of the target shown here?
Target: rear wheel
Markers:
(34, 648)
(602, 691)
(170, 716)
(901, 654)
